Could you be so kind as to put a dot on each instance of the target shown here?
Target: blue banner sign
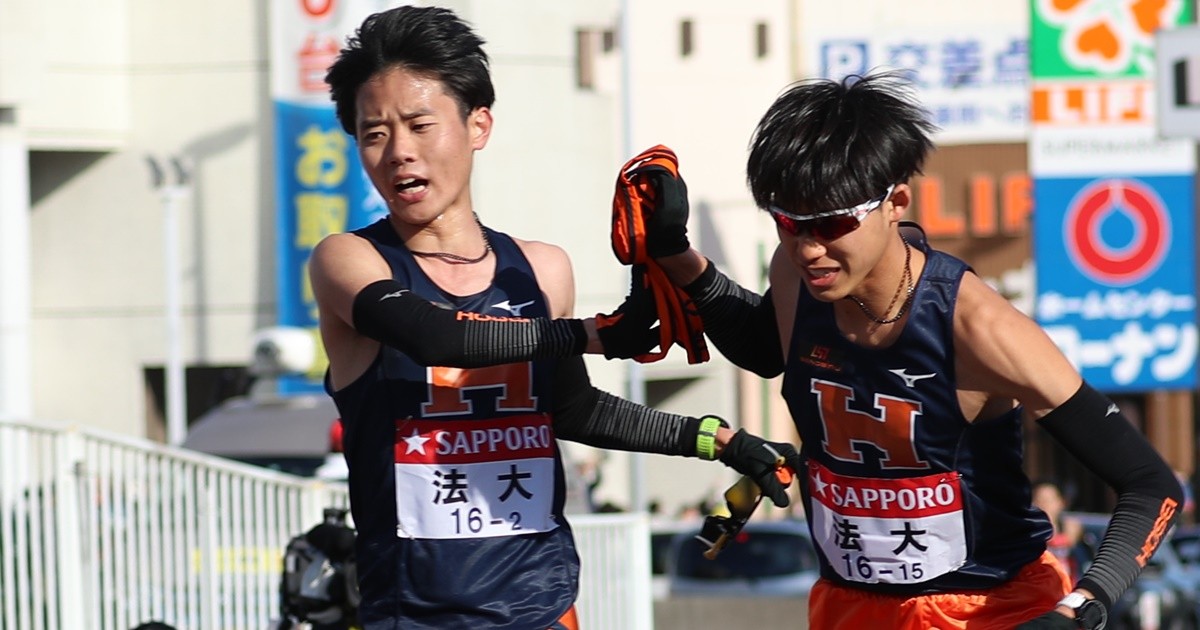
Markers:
(1116, 278)
(322, 190)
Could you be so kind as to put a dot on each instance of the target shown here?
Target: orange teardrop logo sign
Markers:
(1148, 14)
(1099, 40)
(1065, 5)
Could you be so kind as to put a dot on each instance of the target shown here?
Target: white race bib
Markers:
(891, 531)
(474, 478)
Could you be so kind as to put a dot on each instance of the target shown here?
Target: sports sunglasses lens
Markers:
(742, 497)
(835, 227)
(787, 224)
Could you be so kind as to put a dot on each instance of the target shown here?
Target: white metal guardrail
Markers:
(614, 582)
(104, 532)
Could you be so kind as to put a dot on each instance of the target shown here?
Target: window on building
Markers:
(608, 40)
(761, 40)
(685, 38)
(660, 392)
(585, 59)
(207, 386)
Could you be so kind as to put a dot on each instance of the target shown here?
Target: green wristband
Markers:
(706, 438)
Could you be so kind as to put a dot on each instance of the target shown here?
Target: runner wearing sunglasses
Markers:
(831, 225)
(909, 381)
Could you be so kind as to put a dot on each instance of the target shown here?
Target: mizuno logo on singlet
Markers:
(910, 379)
(515, 309)
(393, 294)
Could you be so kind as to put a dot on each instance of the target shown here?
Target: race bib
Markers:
(474, 478)
(891, 531)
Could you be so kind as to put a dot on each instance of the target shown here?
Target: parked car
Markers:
(662, 533)
(290, 434)
(1165, 595)
(1185, 542)
(767, 558)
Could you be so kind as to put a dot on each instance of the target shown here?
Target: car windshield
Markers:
(660, 550)
(1187, 547)
(750, 556)
(302, 466)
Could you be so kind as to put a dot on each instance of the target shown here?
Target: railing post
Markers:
(12, 479)
(209, 548)
(74, 598)
(638, 583)
(313, 504)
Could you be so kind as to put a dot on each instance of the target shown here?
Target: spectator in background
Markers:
(1067, 530)
(689, 512)
(1188, 512)
(334, 466)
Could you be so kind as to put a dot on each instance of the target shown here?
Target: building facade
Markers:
(95, 95)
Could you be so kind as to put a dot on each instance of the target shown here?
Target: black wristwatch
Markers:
(1089, 613)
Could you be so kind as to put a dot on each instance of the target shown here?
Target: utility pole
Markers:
(16, 382)
(636, 375)
(173, 195)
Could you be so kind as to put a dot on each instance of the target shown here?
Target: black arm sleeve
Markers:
(389, 313)
(590, 416)
(1148, 494)
(740, 323)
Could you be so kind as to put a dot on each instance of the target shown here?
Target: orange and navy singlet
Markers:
(456, 481)
(903, 495)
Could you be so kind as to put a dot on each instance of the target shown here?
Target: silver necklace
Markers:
(455, 258)
(905, 280)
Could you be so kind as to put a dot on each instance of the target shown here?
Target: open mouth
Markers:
(411, 186)
(821, 277)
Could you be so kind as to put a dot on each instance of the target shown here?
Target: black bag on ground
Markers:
(320, 583)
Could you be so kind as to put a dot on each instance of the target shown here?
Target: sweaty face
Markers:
(833, 269)
(415, 145)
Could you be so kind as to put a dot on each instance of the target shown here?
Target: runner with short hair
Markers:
(454, 360)
(909, 380)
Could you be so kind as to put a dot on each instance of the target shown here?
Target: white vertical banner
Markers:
(305, 38)
(320, 186)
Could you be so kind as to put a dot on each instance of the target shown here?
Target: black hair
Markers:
(426, 40)
(825, 144)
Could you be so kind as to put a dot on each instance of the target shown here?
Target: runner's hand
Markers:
(666, 227)
(759, 459)
(629, 331)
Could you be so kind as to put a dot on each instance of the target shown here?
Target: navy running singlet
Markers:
(903, 495)
(456, 481)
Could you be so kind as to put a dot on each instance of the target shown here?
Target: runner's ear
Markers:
(900, 201)
(479, 124)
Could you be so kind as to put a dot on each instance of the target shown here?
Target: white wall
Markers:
(98, 290)
(66, 65)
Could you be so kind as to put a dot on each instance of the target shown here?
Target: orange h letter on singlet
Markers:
(447, 384)
(844, 427)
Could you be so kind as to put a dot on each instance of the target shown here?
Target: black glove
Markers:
(629, 331)
(1050, 621)
(759, 459)
(666, 227)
